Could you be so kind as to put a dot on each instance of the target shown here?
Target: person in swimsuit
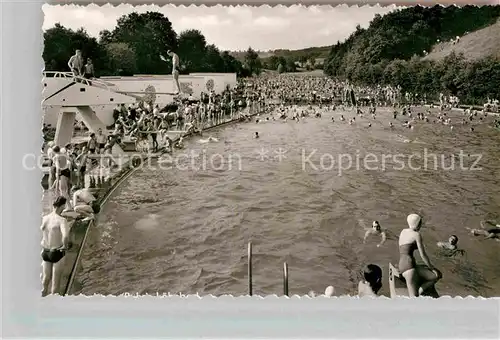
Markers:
(81, 164)
(175, 70)
(75, 63)
(450, 247)
(55, 241)
(92, 143)
(63, 172)
(101, 139)
(85, 204)
(488, 233)
(375, 230)
(372, 281)
(50, 156)
(418, 278)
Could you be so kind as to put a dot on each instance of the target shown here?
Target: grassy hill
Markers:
(475, 45)
(392, 51)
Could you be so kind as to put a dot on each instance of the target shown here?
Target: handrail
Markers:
(70, 75)
(285, 279)
(250, 268)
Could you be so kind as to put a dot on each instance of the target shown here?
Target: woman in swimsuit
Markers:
(418, 277)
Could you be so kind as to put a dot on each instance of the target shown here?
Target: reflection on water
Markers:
(187, 230)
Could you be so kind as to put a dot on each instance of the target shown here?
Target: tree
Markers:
(290, 65)
(253, 62)
(60, 44)
(105, 37)
(231, 64)
(121, 59)
(273, 62)
(192, 48)
(150, 35)
(281, 68)
(213, 61)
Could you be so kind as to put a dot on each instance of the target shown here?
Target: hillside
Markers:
(475, 45)
(391, 51)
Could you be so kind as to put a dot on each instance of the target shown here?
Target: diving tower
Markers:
(75, 95)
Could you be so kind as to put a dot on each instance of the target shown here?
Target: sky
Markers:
(233, 28)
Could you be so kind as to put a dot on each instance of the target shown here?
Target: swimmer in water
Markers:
(370, 125)
(391, 125)
(493, 232)
(180, 143)
(333, 120)
(372, 282)
(375, 230)
(256, 135)
(451, 246)
(329, 292)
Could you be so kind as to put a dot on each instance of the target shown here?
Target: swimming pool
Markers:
(185, 229)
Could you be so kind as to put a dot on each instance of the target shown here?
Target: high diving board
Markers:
(80, 94)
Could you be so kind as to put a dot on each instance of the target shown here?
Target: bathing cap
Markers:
(413, 220)
(329, 291)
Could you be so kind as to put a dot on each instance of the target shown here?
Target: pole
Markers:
(285, 279)
(250, 268)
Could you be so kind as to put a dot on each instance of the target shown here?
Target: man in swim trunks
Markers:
(63, 172)
(55, 241)
(493, 232)
(376, 230)
(92, 143)
(50, 156)
(101, 139)
(175, 70)
(75, 63)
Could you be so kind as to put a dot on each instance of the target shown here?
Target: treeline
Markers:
(390, 51)
(135, 45)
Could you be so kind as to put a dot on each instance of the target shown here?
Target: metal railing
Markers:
(73, 77)
(250, 277)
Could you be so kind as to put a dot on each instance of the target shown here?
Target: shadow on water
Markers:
(186, 230)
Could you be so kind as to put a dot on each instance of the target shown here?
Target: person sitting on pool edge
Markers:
(372, 282)
(418, 278)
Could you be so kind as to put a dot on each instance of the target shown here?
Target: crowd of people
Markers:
(280, 97)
